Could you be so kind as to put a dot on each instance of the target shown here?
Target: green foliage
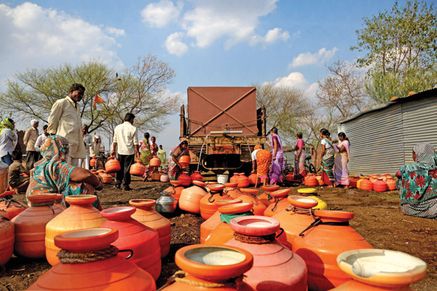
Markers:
(140, 90)
(400, 47)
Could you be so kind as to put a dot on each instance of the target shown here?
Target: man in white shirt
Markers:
(65, 120)
(29, 140)
(125, 145)
(41, 138)
(8, 141)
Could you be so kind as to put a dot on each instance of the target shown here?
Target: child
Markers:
(18, 177)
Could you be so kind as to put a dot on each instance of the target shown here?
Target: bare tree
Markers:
(342, 90)
(285, 108)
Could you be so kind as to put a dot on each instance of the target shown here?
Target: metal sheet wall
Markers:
(419, 124)
(376, 141)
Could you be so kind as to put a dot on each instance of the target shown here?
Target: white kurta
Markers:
(64, 120)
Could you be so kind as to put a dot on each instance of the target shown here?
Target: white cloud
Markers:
(162, 13)
(35, 37)
(313, 58)
(273, 35)
(296, 80)
(115, 31)
(175, 45)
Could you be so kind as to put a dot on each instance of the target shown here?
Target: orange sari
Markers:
(263, 159)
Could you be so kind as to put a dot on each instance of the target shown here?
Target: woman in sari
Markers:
(418, 187)
(277, 157)
(174, 167)
(145, 153)
(54, 175)
(327, 157)
(341, 171)
(299, 156)
(261, 159)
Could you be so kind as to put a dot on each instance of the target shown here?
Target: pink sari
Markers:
(299, 165)
(277, 164)
(341, 170)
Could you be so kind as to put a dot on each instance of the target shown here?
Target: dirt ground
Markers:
(377, 218)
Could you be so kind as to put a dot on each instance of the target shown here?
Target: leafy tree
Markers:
(400, 47)
(285, 108)
(140, 90)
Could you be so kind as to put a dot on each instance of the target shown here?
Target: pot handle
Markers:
(131, 253)
(281, 231)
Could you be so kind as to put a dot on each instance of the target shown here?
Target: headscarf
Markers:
(33, 122)
(424, 153)
(52, 173)
(6, 123)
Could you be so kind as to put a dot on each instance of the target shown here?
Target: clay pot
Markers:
(93, 162)
(106, 178)
(243, 181)
(380, 186)
(234, 178)
(142, 240)
(275, 267)
(253, 179)
(391, 184)
(338, 236)
(376, 269)
(30, 225)
(196, 176)
(154, 162)
(184, 161)
(311, 181)
(137, 169)
(190, 199)
(81, 214)
(9, 208)
(6, 240)
(164, 178)
(211, 223)
(112, 165)
(206, 266)
(112, 273)
(184, 179)
(147, 215)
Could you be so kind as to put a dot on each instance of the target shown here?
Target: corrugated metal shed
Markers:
(382, 138)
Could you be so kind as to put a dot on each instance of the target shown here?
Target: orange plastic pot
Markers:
(376, 269)
(243, 181)
(137, 169)
(391, 184)
(6, 240)
(319, 244)
(279, 202)
(270, 188)
(208, 206)
(196, 176)
(234, 178)
(30, 225)
(112, 165)
(353, 182)
(111, 273)
(380, 186)
(147, 215)
(184, 161)
(253, 179)
(155, 162)
(211, 223)
(366, 185)
(184, 180)
(311, 181)
(141, 239)
(275, 267)
(190, 199)
(212, 268)
(250, 196)
(81, 214)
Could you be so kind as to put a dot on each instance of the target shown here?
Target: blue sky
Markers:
(220, 42)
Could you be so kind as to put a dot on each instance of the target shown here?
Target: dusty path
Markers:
(377, 218)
